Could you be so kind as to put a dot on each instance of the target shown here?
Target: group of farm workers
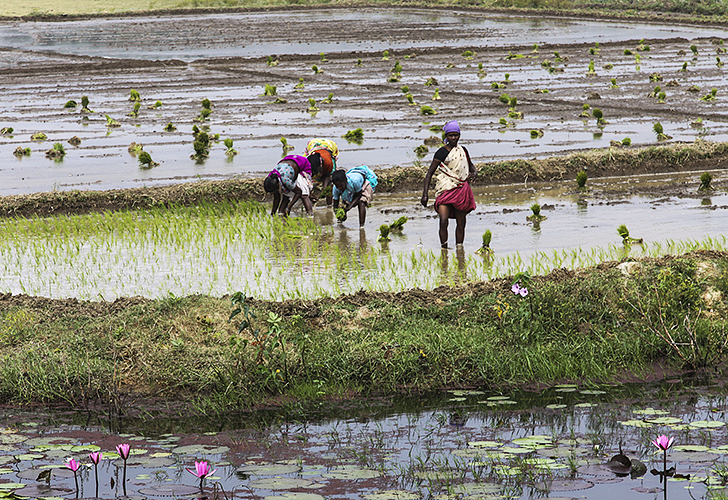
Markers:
(295, 176)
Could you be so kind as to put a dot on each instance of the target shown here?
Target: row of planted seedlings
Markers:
(214, 249)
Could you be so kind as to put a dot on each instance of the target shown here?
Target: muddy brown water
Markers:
(460, 444)
(182, 60)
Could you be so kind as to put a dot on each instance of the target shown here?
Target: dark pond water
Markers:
(460, 444)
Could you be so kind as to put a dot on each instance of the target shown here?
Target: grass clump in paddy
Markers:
(593, 324)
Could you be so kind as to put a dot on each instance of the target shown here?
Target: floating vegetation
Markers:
(270, 90)
(57, 152)
(705, 180)
(286, 147)
(661, 136)
(8, 131)
(134, 95)
(112, 123)
(229, 145)
(581, 178)
(20, 152)
(38, 136)
(485, 249)
(145, 160)
(70, 104)
(536, 214)
(170, 127)
(427, 110)
(626, 239)
(355, 136)
(711, 96)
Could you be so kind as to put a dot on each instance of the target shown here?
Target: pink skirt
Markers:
(461, 198)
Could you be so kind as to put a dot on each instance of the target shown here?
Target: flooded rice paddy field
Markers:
(182, 60)
(218, 250)
(466, 444)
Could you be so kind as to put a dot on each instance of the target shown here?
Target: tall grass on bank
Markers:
(216, 249)
(588, 325)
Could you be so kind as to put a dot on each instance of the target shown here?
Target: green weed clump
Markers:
(270, 90)
(427, 110)
(705, 180)
(57, 152)
(485, 249)
(661, 136)
(398, 224)
(581, 178)
(229, 145)
(70, 104)
(112, 123)
(145, 160)
(21, 152)
(536, 213)
(626, 238)
(6, 130)
(421, 151)
(384, 232)
(134, 95)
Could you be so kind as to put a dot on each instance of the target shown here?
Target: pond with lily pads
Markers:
(565, 441)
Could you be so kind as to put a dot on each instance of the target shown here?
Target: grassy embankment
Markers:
(590, 325)
(704, 11)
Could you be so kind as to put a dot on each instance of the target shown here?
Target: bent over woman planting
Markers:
(453, 196)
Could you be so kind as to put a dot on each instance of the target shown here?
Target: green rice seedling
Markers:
(590, 70)
(694, 49)
(384, 232)
(468, 55)
(497, 85)
(613, 84)
(316, 70)
(111, 123)
(711, 96)
(503, 121)
(323, 57)
(170, 127)
(516, 115)
(718, 62)
(410, 99)
(684, 68)
(356, 136)
(513, 102)
(435, 129)
(6, 130)
(340, 214)
(626, 239)
(430, 82)
(204, 114)
(70, 104)
(697, 123)
(135, 148)
(394, 78)
(359, 62)
(558, 58)
(329, 99)
(84, 105)
(626, 141)
(511, 56)
(536, 213)
(57, 153)
(38, 136)
(504, 98)
(661, 97)
(271, 62)
(201, 145)
(195, 130)
(421, 151)
(643, 47)
(270, 90)
(20, 152)
(581, 178)
(599, 115)
(156, 105)
(507, 77)
(405, 89)
(427, 110)
(286, 147)
(397, 67)
(436, 95)
(312, 105)
(134, 95)
(299, 86)
(627, 52)
(705, 180)
(593, 51)
(385, 55)
(655, 77)
(536, 133)
(608, 66)
(398, 224)
(661, 136)
(229, 145)
(655, 91)
(206, 104)
(485, 249)
(135, 110)
(145, 160)
(534, 48)
(585, 111)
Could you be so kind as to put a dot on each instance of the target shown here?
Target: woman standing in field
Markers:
(322, 154)
(453, 196)
(290, 180)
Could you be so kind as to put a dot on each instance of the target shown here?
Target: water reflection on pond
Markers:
(461, 444)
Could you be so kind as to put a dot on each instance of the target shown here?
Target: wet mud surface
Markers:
(180, 60)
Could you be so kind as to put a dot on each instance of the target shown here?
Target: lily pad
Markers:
(170, 490)
(200, 449)
(707, 424)
(351, 472)
(664, 420)
(269, 469)
(390, 495)
(484, 444)
(279, 483)
(11, 486)
(472, 489)
(555, 406)
(689, 447)
(690, 456)
(636, 423)
(567, 485)
(42, 490)
(650, 411)
(12, 438)
(295, 496)
(465, 392)
(46, 441)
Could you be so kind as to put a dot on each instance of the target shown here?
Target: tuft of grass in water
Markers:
(356, 136)
(229, 146)
(627, 141)
(421, 151)
(581, 178)
(170, 127)
(705, 180)
(385, 55)
(270, 90)
(135, 110)
(312, 105)
(38, 136)
(316, 70)
(322, 57)
(284, 143)
(711, 96)
(427, 110)
(70, 104)
(134, 96)
(384, 232)
(599, 115)
(145, 160)
(468, 55)
(110, 122)
(6, 130)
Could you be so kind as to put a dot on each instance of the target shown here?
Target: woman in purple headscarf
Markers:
(453, 196)
(290, 180)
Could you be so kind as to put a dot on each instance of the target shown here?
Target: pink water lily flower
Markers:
(663, 442)
(73, 465)
(95, 457)
(202, 470)
(123, 450)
